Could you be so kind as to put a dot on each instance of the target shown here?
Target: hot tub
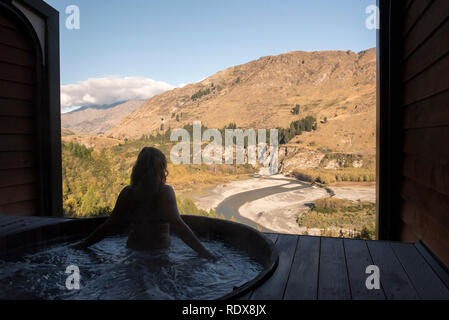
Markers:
(231, 238)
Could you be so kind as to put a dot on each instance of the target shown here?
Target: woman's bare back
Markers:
(150, 226)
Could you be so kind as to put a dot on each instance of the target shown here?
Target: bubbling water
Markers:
(109, 270)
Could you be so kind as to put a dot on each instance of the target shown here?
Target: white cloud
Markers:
(103, 91)
(70, 109)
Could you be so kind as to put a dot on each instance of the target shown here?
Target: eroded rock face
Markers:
(291, 158)
(300, 158)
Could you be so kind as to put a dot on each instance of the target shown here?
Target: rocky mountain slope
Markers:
(336, 87)
(97, 120)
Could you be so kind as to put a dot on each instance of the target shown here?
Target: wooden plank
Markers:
(393, 278)
(424, 280)
(432, 112)
(427, 84)
(16, 126)
(16, 160)
(15, 73)
(16, 90)
(5, 22)
(6, 221)
(16, 194)
(273, 288)
(333, 275)
(406, 5)
(358, 259)
(14, 177)
(427, 142)
(24, 208)
(429, 173)
(17, 142)
(272, 236)
(27, 223)
(13, 38)
(431, 51)
(430, 231)
(17, 224)
(441, 271)
(15, 56)
(303, 281)
(12, 226)
(414, 13)
(407, 233)
(434, 16)
(16, 108)
(433, 203)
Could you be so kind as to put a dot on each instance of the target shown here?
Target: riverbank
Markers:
(273, 203)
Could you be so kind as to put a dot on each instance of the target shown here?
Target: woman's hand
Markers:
(206, 254)
(79, 246)
(210, 256)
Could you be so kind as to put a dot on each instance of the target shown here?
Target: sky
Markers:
(139, 48)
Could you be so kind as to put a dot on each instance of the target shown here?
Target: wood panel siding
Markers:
(19, 192)
(424, 209)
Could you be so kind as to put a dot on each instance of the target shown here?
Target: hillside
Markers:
(336, 87)
(97, 120)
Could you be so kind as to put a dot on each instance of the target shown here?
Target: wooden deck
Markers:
(321, 268)
(312, 268)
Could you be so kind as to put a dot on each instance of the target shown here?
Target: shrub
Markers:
(200, 94)
(296, 109)
(329, 176)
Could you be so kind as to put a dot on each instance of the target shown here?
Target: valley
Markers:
(323, 105)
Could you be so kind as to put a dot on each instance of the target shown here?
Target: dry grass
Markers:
(330, 176)
(341, 217)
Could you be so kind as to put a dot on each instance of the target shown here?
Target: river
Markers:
(273, 203)
(270, 203)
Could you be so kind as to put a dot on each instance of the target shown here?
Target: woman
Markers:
(149, 206)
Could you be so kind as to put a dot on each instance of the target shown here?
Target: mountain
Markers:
(98, 119)
(336, 87)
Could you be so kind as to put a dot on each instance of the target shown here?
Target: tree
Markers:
(296, 110)
(88, 202)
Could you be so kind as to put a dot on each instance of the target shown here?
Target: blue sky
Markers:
(184, 41)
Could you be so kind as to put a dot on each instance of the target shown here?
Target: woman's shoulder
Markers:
(127, 192)
(166, 191)
(166, 188)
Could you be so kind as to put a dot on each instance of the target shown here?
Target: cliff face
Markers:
(337, 87)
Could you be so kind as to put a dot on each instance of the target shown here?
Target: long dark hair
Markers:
(149, 173)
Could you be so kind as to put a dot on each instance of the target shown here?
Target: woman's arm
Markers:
(179, 227)
(117, 219)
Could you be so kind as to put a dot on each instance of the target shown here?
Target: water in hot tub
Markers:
(109, 270)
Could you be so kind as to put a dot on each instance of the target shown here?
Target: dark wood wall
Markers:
(424, 105)
(19, 191)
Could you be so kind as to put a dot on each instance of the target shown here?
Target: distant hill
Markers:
(336, 87)
(98, 119)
